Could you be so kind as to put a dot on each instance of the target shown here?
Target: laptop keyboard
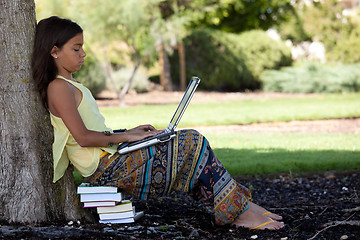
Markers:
(163, 136)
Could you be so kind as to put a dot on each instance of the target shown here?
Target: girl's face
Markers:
(70, 57)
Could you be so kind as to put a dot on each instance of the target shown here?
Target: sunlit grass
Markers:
(239, 112)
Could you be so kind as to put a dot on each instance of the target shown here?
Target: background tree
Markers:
(325, 21)
(27, 194)
(137, 32)
(169, 31)
(238, 16)
(119, 33)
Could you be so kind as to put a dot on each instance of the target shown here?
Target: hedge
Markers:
(231, 62)
(313, 78)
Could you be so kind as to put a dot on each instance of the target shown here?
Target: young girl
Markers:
(186, 163)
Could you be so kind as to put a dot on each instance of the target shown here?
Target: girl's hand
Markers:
(142, 128)
(141, 132)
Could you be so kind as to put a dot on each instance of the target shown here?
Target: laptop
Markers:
(169, 132)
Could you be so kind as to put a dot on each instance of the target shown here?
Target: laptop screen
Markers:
(184, 102)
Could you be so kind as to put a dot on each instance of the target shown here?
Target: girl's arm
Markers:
(63, 100)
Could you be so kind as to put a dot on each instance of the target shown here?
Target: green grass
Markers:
(261, 152)
(274, 153)
(239, 112)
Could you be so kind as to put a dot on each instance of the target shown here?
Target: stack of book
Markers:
(111, 206)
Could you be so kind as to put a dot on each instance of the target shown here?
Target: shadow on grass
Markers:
(277, 160)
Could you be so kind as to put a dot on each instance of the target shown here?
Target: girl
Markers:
(186, 163)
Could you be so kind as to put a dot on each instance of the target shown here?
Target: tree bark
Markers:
(127, 85)
(27, 194)
(182, 64)
(165, 77)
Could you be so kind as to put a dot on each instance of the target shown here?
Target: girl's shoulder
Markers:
(59, 81)
(59, 85)
(60, 93)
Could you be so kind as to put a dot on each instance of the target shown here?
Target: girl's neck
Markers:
(65, 74)
(68, 76)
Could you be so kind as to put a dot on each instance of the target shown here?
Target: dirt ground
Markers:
(314, 206)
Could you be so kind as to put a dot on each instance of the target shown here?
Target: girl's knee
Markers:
(189, 140)
(190, 132)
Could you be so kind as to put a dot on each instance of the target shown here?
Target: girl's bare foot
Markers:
(254, 220)
(265, 212)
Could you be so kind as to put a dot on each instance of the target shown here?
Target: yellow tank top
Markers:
(66, 149)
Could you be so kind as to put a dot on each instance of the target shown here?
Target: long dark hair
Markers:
(50, 32)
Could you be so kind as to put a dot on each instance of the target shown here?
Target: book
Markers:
(100, 204)
(101, 197)
(124, 220)
(114, 221)
(117, 215)
(124, 206)
(85, 188)
(111, 206)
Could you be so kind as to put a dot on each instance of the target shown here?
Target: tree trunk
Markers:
(127, 85)
(108, 70)
(165, 77)
(182, 64)
(27, 194)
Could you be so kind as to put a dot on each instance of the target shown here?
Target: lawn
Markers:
(263, 152)
(240, 112)
(259, 153)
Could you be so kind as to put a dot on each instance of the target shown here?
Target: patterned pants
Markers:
(186, 163)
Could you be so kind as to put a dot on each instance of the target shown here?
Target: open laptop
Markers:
(169, 132)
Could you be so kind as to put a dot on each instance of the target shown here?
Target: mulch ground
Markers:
(314, 206)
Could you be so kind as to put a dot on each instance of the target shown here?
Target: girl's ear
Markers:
(54, 51)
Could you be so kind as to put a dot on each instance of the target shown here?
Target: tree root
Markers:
(336, 223)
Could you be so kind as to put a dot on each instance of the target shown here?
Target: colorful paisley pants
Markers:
(186, 163)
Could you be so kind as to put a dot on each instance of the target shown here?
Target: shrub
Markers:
(92, 76)
(313, 78)
(140, 82)
(262, 52)
(347, 50)
(209, 57)
(232, 62)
